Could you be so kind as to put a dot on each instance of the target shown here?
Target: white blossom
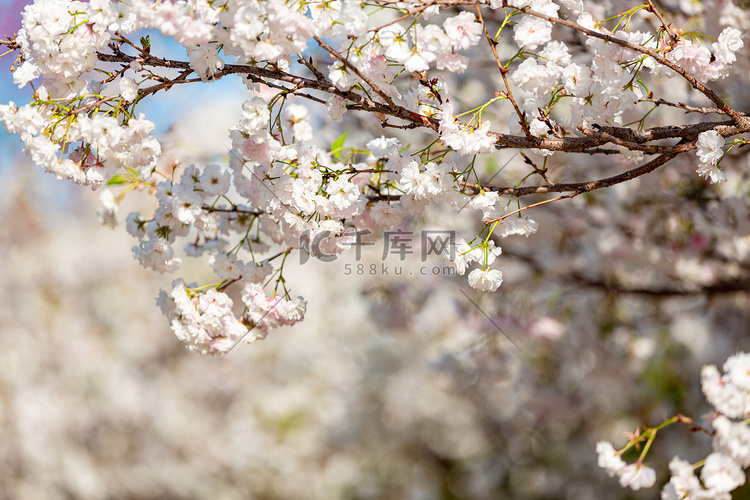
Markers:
(636, 476)
(608, 459)
(722, 474)
(486, 280)
(732, 439)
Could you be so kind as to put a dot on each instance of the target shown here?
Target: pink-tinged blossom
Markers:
(387, 215)
(485, 280)
(395, 41)
(186, 205)
(547, 7)
(460, 255)
(683, 483)
(177, 21)
(727, 398)
(737, 369)
(434, 39)
(418, 59)
(729, 42)
(270, 312)
(455, 63)
(341, 76)
(484, 200)
(267, 30)
(531, 32)
(556, 55)
(57, 46)
(255, 116)
(213, 303)
(226, 266)
(426, 184)
(128, 89)
(531, 76)
(709, 147)
(109, 215)
(467, 140)
(463, 30)
(517, 225)
(712, 173)
(205, 61)
(352, 19)
(135, 225)
(721, 473)
(636, 476)
(384, 146)
(336, 108)
(574, 7)
(203, 321)
(25, 73)
(608, 459)
(298, 117)
(695, 59)
(26, 121)
(259, 148)
(342, 193)
(733, 439)
(577, 80)
(215, 181)
(434, 180)
(709, 150)
(411, 179)
(157, 254)
(547, 328)
(256, 273)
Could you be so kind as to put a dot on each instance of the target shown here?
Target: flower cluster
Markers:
(634, 476)
(722, 470)
(709, 150)
(729, 394)
(287, 188)
(204, 320)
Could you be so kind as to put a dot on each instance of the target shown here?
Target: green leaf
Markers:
(116, 179)
(337, 146)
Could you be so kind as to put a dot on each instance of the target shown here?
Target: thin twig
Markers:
(584, 187)
(692, 109)
(667, 28)
(356, 71)
(503, 71)
(498, 219)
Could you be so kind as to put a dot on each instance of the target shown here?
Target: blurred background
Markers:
(394, 387)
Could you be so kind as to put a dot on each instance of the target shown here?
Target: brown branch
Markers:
(666, 26)
(718, 288)
(624, 136)
(363, 103)
(633, 146)
(503, 74)
(234, 210)
(611, 286)
(584, 187)
(690, 132)
(356, 71)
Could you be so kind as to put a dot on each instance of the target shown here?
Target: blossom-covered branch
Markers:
(396, 61)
